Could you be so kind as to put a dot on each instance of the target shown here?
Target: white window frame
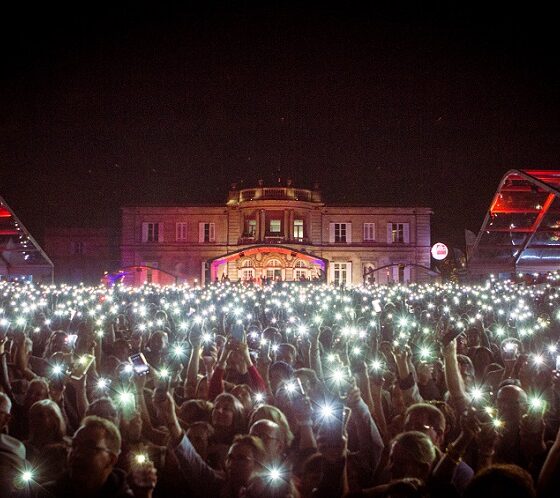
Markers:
(202, 239)
(251, 228)
(341, 273)
(299, 232)
(393, 231)
(365, 265)
(405, 274)
(275, 221)
(338, 227)
(181, 231)
(369, 232)
(152, 232)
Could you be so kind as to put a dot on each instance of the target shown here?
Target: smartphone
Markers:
(376, 306)
(237, 332)
(139, 363)
(71, 340)
(510, 350)
(332, 426)
(450, 336)
(558, 363)
(81, 366)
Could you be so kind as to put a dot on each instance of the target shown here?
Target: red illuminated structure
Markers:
(521, 230)
(21, 257)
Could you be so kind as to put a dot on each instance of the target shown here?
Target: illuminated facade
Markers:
(521, 230)
(278, 233)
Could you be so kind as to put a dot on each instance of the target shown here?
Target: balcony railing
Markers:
(278, 193)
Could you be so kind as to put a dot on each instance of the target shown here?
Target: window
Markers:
(368, 272)
(369, 232)
(275, 226)
(340, 233)
(397, 233)
(400, 273)
(77, 248)
(341, 273)
(300, 271)
(152, 232)
(298, 229)
(247, 271)
(206, 232)
(181, 231)
(251, 228)
(274, 269)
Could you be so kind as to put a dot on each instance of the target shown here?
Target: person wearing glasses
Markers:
(91, 466)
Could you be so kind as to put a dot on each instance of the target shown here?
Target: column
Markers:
(291, 225)
(263, 225)
(287, 225)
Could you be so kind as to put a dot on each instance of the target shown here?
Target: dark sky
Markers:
(427, 106)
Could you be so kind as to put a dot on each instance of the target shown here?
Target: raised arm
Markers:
(315, 354)
(203, 480)
(453, 379)
(193, 366)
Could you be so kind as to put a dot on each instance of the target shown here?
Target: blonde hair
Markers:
(53, 408)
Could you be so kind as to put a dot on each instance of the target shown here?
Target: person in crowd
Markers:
(284, 390)
(95, 448)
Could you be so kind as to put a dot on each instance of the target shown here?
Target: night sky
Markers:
(136, 104)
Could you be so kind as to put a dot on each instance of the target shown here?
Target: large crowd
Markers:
(280, 390)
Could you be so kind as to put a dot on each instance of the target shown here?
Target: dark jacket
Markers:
(115, 487)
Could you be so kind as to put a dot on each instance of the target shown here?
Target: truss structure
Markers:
(21, 257)
(521, 230)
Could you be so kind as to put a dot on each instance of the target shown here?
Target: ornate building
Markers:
(282, 233)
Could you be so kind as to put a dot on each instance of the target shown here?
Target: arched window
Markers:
(274, 269)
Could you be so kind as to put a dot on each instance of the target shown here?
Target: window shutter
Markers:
(406, 232)
(395, 273)
(201, 232)
(330, 274)
(348, 233)
(212, 232)
(407, 273)
(349, 273)
(331, 233)
(144, 232)
(160, 232)
(389, 233)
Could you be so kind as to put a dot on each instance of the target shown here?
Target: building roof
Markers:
(521, 230)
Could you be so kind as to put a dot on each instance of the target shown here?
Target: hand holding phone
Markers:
(81, 366)
(139, 364)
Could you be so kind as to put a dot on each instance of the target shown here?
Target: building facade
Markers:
(82, 254)
(279, 233)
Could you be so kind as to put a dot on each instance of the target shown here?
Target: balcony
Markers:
(272, 239)
(273, 193)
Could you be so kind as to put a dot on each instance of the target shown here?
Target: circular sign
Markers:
(439, 251)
